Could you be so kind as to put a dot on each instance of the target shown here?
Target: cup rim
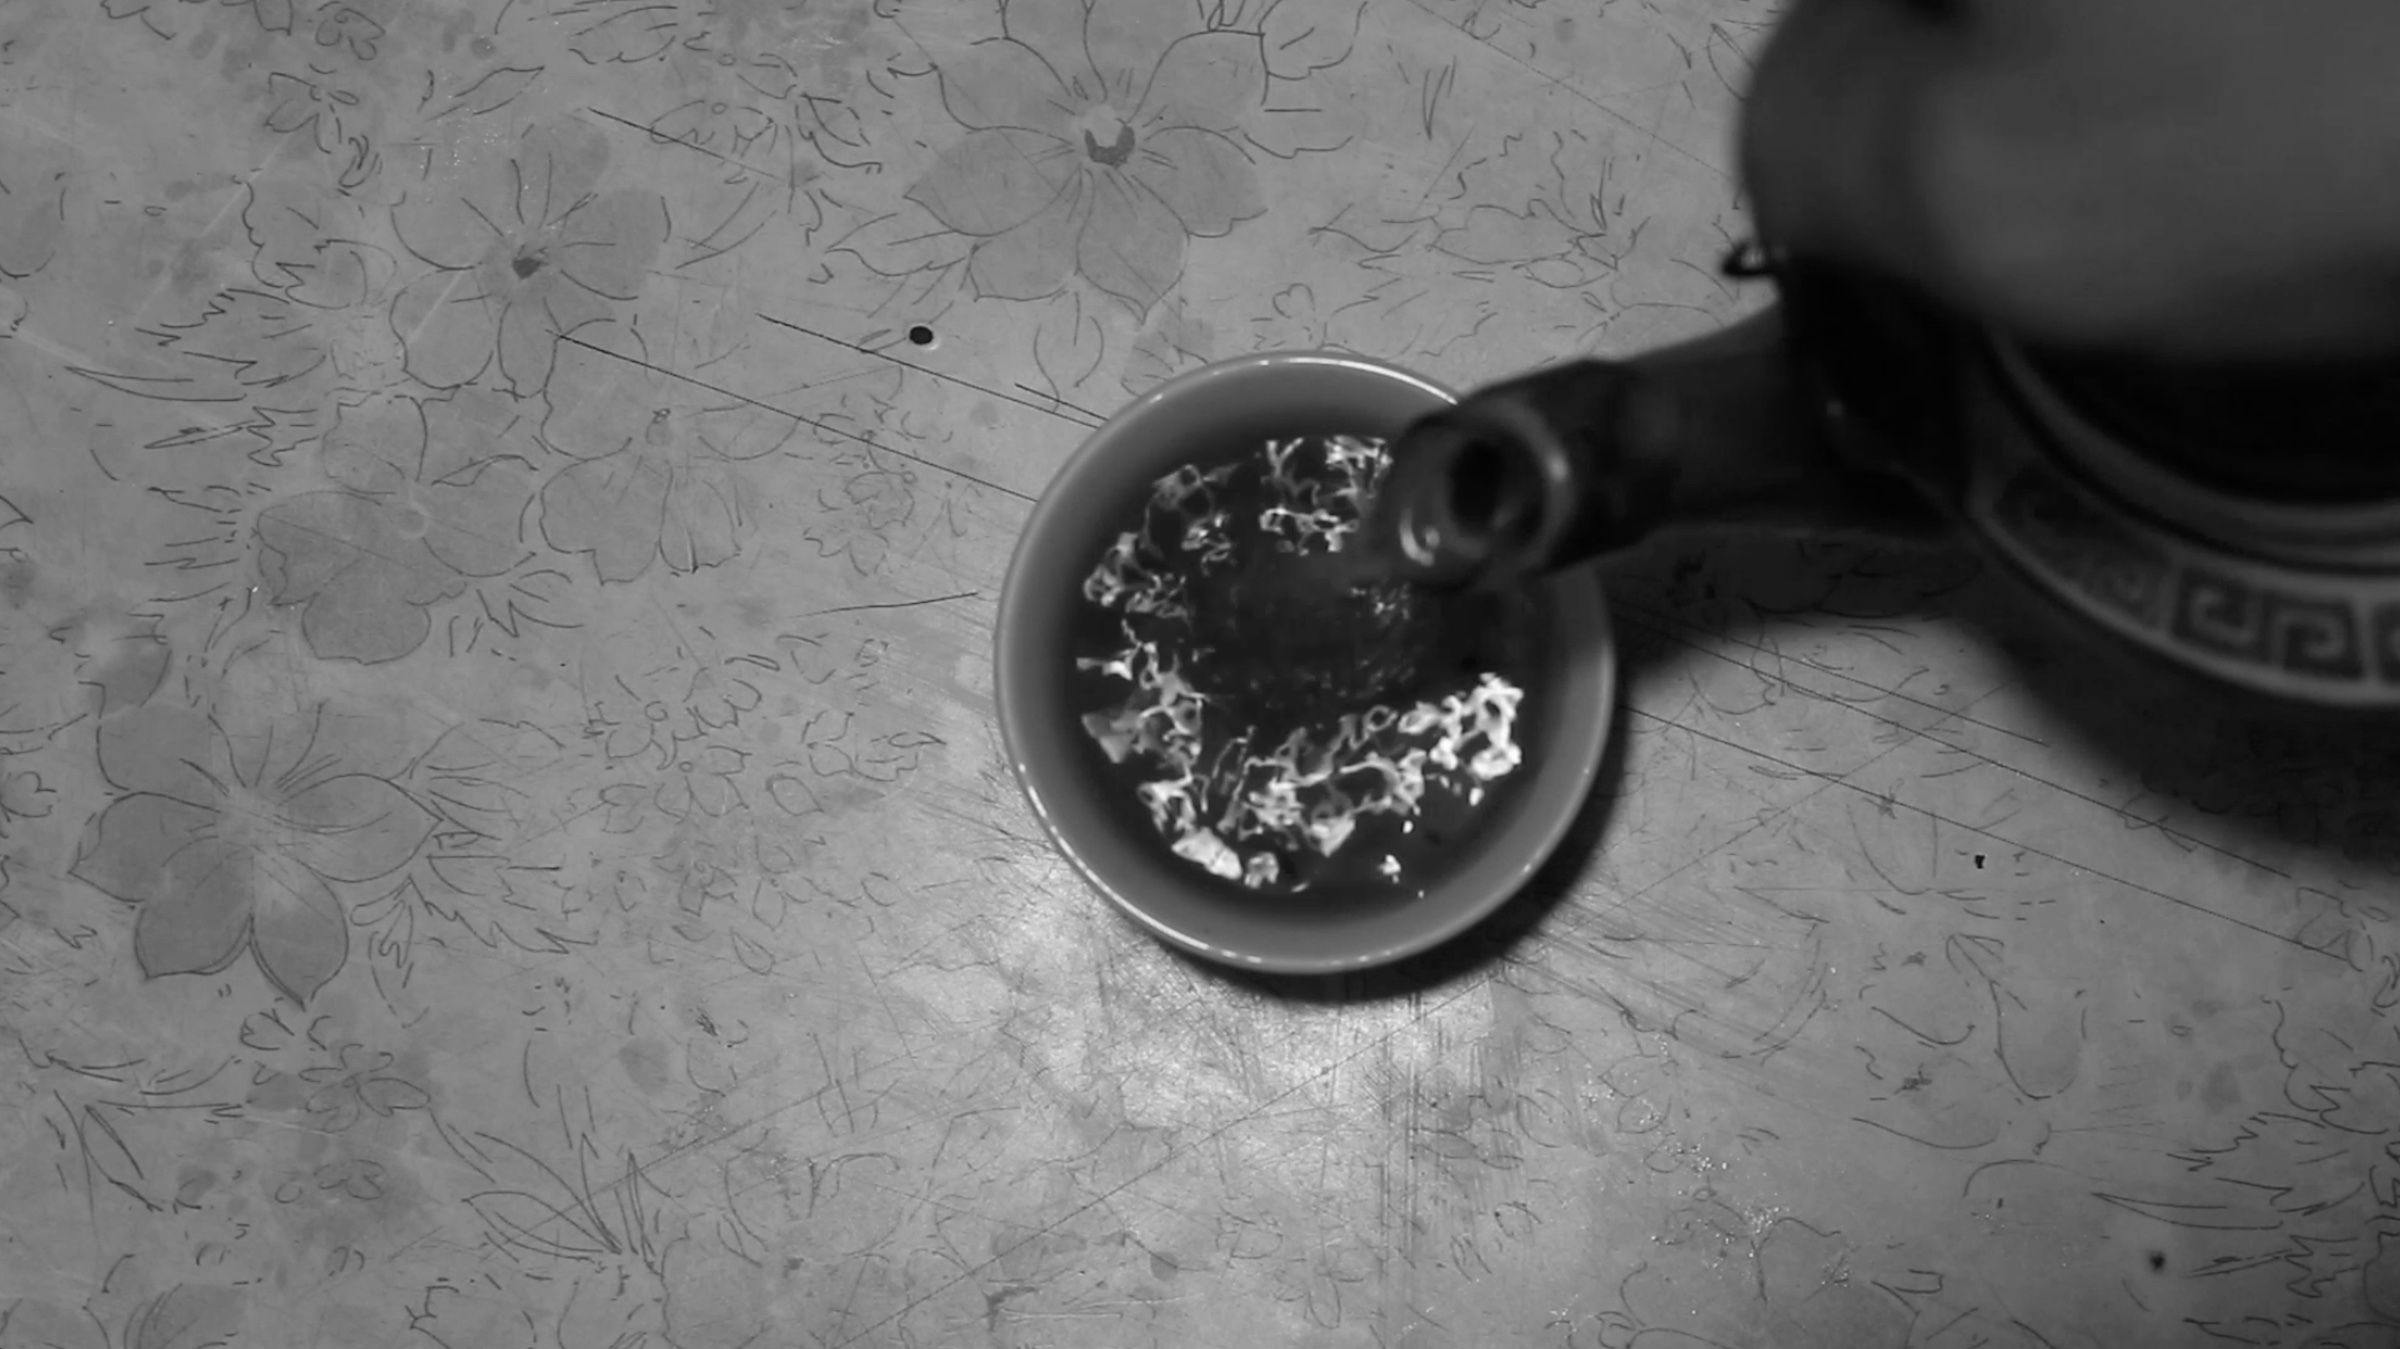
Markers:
(1585, 676)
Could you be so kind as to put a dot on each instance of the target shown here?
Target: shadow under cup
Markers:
(1208, 416)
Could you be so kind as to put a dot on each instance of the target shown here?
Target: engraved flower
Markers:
(1098, 144)
(230, 843)
(23, 794)
(866, 510)
(659, 476)
(832, 39)
(355, 1085)
(333, 116)
(344, 27)
(704, 780)
(353, 1178)
(654, 714)
(318, 250)
(525, 250)
(312, 317)
(429, 502)
(344, 1085)
(735, 101)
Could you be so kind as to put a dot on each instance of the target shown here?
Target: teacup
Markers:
(1208, 416)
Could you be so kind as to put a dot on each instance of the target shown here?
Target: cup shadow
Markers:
(2248, 775)
(2261, 776)
(2252, 775)
(2268, 777)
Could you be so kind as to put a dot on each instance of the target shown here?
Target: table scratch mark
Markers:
(665, 139)
(1053, 398)
(804, 419)
(944, 375)
(1924, 1142)
(1436, 179)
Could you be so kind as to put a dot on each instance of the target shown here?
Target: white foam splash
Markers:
(1236, 813)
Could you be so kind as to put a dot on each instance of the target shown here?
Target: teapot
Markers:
(2241, 522)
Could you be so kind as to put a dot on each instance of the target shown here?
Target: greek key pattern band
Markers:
(2325, 636)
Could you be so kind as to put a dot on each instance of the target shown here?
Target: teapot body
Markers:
(2239, 524)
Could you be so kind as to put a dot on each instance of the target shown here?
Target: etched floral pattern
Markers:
(525, 248)
(231, 846)
(23, 795)
(705, 780)
(327, 113)
(332, 1085)
(659, 477)
(328, 253)
(821, 43)
(429, 501)
(738, 98)
(1098, 145)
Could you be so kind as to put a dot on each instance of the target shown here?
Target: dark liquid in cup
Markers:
(1285, 719)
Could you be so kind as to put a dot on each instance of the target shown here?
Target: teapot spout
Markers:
(1585, 459)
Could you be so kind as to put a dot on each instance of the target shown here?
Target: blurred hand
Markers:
(2193, 178)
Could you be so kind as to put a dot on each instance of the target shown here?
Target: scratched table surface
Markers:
(504, 842)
